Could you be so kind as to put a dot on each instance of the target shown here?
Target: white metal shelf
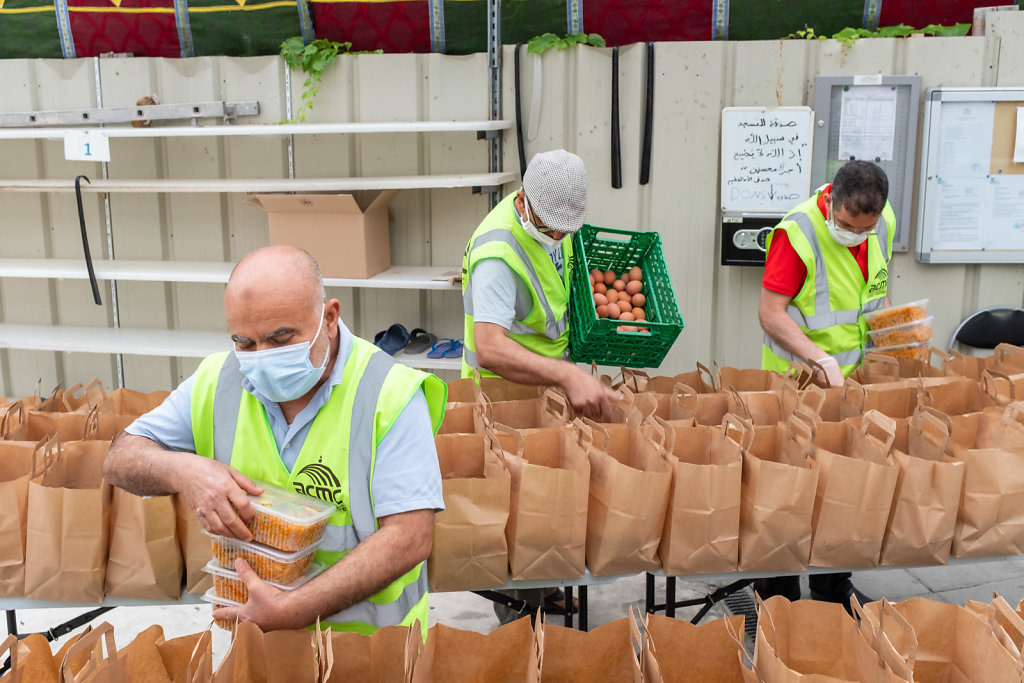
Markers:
(269, 129)
(416, 182)
(169, 343)
(395, 277)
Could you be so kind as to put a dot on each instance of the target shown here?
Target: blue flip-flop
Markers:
(393, 339)
(440, 347)
(455, 350)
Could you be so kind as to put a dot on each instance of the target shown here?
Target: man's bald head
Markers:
(274, 271)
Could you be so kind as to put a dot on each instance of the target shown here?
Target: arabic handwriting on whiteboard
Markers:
(765, 158)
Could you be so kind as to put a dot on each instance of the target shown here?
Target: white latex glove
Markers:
(832, 372)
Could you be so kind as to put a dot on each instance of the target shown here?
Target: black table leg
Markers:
(12, 623)
(583, 608)
(670, 597)
(568, 606)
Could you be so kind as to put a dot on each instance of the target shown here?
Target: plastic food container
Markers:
(907, 333)
(227, 584)
(916, 351)
(287, 520)
(211, 597)
(269, 563)
(897, 315)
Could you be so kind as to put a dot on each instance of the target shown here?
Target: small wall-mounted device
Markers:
(744, 239)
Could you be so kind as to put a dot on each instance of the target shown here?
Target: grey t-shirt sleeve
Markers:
(499, 296)
(407, 475)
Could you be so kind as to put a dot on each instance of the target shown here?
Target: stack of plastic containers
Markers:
(287, 529)
(903, 331)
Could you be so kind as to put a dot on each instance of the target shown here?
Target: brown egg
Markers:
(625, 276)
(613, 310)
(624, 305)
(644, 329)
(600, 299)
(600, 287)
(619, 285)
(626, 315)
(635, 273)
(638, 299)
(612, 295)
(639, 313)
(609, 277)
(602, 311)
(628, 328)
(596, 275)
(634, 287)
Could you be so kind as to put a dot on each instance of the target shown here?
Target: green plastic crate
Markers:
(599, 339)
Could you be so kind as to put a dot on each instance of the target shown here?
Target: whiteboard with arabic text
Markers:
(766, 158)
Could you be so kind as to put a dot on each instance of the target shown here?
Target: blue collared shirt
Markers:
(406, 476)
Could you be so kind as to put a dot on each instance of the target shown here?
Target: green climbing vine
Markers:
(540, 44)
(848, 36)
(313, 59)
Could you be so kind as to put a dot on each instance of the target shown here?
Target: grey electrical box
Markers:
(872, 118)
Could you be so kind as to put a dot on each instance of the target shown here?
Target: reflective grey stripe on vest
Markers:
(882, 228)
(823, 315)
(844, 358)
(227, 401)
(553, 329)
(874, 304)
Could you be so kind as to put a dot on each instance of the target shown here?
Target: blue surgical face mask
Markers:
(285, 373)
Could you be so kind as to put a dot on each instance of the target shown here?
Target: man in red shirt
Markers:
(827, 264)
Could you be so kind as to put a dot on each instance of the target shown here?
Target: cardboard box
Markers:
(346, 233)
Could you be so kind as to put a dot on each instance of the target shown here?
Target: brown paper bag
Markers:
(892, 399)
(112, 668)
(30, 660)
(458, 419)
(923, 518)
(132, 403)
(777, 502)
(703, 409)
(702, 522)
(757, 407)
(813, 640)
(18, 462)
(855, 495)
(1006, 358)
(143, 659)
(200, 664)
(952, 643)
(83, 398)
(379, 658)
(630, 477)
(634, 408)
(245, 661)
(750, 379)
(466, 389)
(291, 656)
(508, 653)
(552, 409)
(145, 559)
(67, 533)
(954, 395)
(639, 381)
(547, 524)
(176, 654)
(12, 416)
(470, 551)
(1003, 388)
(604, 654)
(51, 404)
(195, 546)
(687, 653)
(1006, 625)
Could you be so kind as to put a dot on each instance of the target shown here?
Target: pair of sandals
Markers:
(446, 348)
(396, 338)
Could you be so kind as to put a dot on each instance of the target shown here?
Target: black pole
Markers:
(85, 241)
(616, 151)
(519, 115)
(645, 157)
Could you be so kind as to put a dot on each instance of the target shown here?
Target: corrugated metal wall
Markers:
(694, 81)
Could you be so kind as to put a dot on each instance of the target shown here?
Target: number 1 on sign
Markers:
(86, 145)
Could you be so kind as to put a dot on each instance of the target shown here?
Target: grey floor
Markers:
(955, 584)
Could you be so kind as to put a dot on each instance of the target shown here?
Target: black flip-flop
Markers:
(393, 339)
(419, 341)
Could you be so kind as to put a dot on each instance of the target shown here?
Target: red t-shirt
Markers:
(784, 271)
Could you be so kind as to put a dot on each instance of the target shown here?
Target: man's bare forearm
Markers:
(142, 466)
(514, 362)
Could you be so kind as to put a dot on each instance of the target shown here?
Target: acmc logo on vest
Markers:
(881, 282)
(325, 484)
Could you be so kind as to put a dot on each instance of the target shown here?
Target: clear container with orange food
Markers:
(897, 315)
(227, 583)
(907, 333)
(270, 564)
(287, 520)
(917, 351)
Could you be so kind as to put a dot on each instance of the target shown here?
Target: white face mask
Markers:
(847, 238)
(545, 240)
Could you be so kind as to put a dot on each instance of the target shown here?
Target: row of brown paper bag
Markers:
(67, 535)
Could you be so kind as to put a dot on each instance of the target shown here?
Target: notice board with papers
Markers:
(971, 196)
(872, 117)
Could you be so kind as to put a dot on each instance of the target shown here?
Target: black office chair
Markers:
(990, 327)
